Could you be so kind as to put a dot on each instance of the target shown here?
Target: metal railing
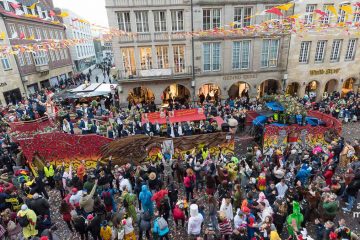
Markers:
(168, 72)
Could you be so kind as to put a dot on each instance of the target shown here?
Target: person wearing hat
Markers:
(94, 226)
(75, 197)
(39, 205)
(154, 182)
(29, 230)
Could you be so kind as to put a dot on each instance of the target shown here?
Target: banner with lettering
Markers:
(155, 117)
(195, 114)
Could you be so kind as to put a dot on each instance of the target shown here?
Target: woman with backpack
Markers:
(27, 220)
(161, 227)
(65, 210)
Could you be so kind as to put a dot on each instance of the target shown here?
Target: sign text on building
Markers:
(324, 71)
(239, 77)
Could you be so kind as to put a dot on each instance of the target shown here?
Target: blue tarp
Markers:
(279, 124)
(259, 120)
(313, 121)
(275, 106)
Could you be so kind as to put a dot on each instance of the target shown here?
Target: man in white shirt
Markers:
(281, 188)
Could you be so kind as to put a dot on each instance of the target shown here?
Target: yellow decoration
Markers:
(347, 8)
(32, 7)
(2, 36)
(63, 14)
(285, 7)
(332, 9)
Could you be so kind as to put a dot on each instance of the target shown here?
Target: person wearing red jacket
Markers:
(329, 172)
(189, 183)
(178, 214)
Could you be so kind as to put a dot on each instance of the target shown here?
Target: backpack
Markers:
(107, 198)
(23, 221)
(162, 223)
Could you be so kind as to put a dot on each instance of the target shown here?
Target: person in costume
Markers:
(145, 199)
(295, 219)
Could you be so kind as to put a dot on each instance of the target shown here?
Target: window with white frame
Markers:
(335, 50)
(325, 19)
(128, 58)
(162, 57)
(45, 34)
(52, 55)
(78, 51)
(51, 34)
(28, 58)
(40, 12)
(22, 30)
(21, 60)
(177, 20)
(160, 21)
(5, 63)
(356, 18)
(270, 53)
(56, 35)
(31, 32)
(342, 16)
(124, 22)
(65, 53)
(179, 58)
(304, 52)
(309, 13)
(211, 18)
(12, 30)
(38, 33)
(211, 56)
(57, 54)
(320, 51)
(6, 5)
(25, 9)
(40, 58)
(241, 55)
(145, 58)
(242, 17)
(142, 24)
(350, 51)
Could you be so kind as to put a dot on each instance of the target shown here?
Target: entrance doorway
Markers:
(293, 89)
(348, 86)
(239, 89)
(209, 92)
(140, 95)
(176, 92)
(312, 89)
(331, 86)
(268, 87)
(13, 96)
(33, 88)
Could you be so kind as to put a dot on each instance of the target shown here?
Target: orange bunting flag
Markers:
(285, 7)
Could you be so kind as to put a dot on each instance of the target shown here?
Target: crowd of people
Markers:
(291, 193)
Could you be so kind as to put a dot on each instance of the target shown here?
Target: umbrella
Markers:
(259, 120)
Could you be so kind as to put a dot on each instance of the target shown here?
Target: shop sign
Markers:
(239, 77)
(3, 84)
(324, 71)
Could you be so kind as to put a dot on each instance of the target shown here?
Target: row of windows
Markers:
(146, 60)
(41, 57)
(5, 63)
(142, 21)
(36, 32)
(80, 35)
(320, 51)
(37, 11)
(341, 17)
(82, 27)
(83, 51)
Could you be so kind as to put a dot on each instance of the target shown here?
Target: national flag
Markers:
(322, 13)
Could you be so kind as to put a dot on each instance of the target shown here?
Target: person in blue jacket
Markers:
(304, 174)
(161, 233)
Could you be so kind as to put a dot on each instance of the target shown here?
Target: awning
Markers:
(86, 91)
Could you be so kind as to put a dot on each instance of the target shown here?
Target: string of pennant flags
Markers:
(272, 28)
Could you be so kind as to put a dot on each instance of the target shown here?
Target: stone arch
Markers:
(268, 87)
(209, 90)
(312, 89)
(348, 85)
(293, 88)
(176, 92)
(140, 95)
(239, 89)
(331, 86)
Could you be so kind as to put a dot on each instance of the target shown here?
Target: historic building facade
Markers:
(38, 69)
(155, 59)
(82, 55)
(324, 61)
